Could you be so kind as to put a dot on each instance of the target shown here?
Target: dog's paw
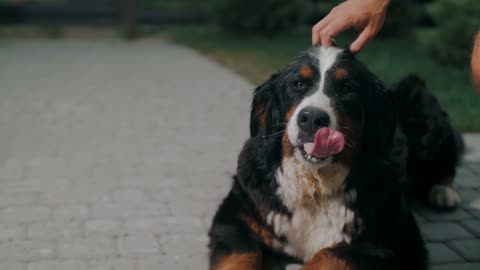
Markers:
(443, 197)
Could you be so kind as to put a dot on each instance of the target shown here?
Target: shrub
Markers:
(259, 17)
(401, 18)
(451, 41)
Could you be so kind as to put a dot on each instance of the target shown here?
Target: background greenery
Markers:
(256, 57)
(457, 21)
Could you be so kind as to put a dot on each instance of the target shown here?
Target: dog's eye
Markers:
(299, 86)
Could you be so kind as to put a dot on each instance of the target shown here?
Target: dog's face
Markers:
(327, 106)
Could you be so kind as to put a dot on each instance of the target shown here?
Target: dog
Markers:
(327, 175)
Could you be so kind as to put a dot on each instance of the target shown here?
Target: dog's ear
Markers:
(265, 114)
(380, 119)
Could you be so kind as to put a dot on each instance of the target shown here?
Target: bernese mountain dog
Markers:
(326, 177)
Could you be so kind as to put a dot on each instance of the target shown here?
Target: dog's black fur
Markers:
(401, 141)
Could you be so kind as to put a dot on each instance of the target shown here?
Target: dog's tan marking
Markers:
(306, 72)
(239, 261)
(325, 260)
(261, 231)
(286, 146)
(340, 74)
(260, 114)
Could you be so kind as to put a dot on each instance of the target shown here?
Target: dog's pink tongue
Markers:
(327, 142)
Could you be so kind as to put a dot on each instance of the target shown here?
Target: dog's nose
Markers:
(310, 119)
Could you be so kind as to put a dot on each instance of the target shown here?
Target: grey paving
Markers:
(115, 155)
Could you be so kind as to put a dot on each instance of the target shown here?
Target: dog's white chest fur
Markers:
(318, 220)
(310, 230)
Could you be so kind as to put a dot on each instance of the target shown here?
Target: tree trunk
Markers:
(130, 18)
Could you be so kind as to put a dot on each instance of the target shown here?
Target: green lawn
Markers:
(256, 58)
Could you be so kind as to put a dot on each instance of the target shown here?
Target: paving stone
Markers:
(32, 185)
(468, 181)
(137, 245)
(26, 250)
(58, 265)
(463, 266)
(54, 230)
(12, 169)
(188, 208)
(468, 248)
(172, 225)
(25, 213)
(472, 225)
(419, 218)
(471, 201)
(455, 215)
(184, 245)
(472, 142)
(129, 195)
(12, 232)
(469, 196)
(105, 227)
(116, 210)
(444, 231)
(474, 166)
(71, 212)
(17, 198)
(167, 262)
(78, 248)
(74, 196)
(113, 264)
(12, 266)
(441, 254)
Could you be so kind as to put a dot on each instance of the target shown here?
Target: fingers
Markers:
(318, 27)
(365, 36)
(331, 30)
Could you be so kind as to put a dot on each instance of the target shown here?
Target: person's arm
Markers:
(367, 16)
(475, 63)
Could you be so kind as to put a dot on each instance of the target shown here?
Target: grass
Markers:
(256, 58)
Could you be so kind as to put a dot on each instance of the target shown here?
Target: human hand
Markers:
(475, 63)
(367, 16)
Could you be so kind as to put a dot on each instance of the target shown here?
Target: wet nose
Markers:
(310, 119)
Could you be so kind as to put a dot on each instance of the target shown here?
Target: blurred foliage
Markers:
(175, 5)
(246, 17)
(54, 31)
(33, 1)
(402, 16)
(451, 41)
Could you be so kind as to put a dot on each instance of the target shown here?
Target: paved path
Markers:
(115, 155)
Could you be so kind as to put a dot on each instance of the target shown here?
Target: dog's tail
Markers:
(435, 148)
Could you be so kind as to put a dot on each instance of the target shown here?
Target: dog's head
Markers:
(327, 108)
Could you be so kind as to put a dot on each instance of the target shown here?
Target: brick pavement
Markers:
(114, 155)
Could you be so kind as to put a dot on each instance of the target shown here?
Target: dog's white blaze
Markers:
(326, 59)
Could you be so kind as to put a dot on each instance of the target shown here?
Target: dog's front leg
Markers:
(352, 257)
(238, 261)
(327, 260)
